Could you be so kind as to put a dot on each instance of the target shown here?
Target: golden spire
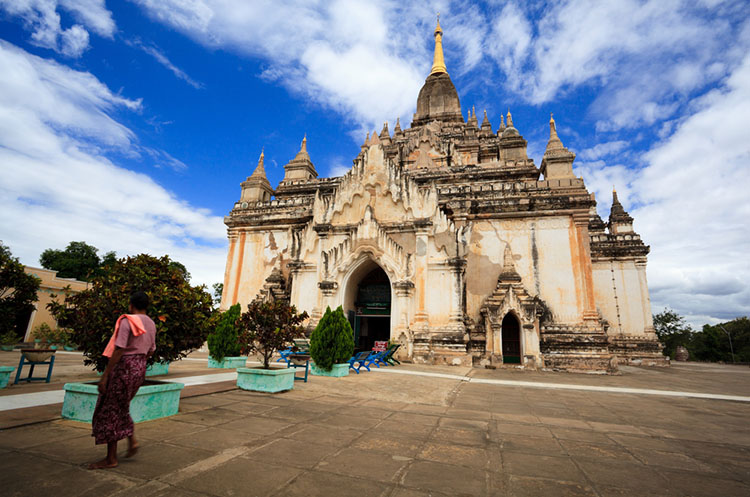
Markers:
(438, 62)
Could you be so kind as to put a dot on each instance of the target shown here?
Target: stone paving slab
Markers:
(328, 437)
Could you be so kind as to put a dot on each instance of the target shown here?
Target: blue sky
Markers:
(130, 124)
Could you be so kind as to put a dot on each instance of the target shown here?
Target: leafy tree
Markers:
(332, 341)
(672, 331)
(181, 268)
(268, 326)
(79, 260)
(18, 291)
(218, 290)
(224, 341)
(183, 314)
(712, 342)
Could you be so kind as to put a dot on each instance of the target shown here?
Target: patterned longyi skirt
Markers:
(112, 421)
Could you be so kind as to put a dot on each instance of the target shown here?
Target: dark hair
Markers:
(139, 300)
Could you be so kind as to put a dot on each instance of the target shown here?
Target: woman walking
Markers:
(132, 343)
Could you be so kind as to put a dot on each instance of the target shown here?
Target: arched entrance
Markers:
(511, 338)
(369, 306)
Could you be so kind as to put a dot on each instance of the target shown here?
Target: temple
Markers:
(446, 237)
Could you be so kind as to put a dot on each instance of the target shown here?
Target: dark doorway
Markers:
(372, 321)
(511, 340)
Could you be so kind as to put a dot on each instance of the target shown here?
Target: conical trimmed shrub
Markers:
(332, 341)
(224, 341)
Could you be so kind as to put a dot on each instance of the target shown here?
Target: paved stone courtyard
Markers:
(377, 434)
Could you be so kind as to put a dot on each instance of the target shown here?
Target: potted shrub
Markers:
(265, 328)
(67, 339)
(183, 315)
(332, 344)
(224, 344)
(8, 340)
(41, 334)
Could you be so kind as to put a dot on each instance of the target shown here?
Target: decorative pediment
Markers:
(511, 295)
(376, 180)
(367, 236)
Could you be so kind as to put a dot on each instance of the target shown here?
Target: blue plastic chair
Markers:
(360, 359)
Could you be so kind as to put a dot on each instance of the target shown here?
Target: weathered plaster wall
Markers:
(622, 297)
(541, 254)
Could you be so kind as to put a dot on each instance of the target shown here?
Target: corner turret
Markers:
(619, 220)
(301, 167)
(256, 187)
(557, 162)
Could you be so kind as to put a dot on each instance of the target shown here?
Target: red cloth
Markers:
(136, 326)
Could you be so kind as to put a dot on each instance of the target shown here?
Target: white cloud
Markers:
(690, 205)
(57, 186)
(42, 18)
(344, 54)
(647, 57)
(602, 150)
(162, 59)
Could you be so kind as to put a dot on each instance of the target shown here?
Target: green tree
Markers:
(79, 260)
(18, 291)
(269, 326)
(183, 314)
(332, 341)
(224, 341)
(218, 290)
(712, 342)
(672, 331)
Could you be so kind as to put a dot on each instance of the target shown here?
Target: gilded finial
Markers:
(438, 61)
(510, 119)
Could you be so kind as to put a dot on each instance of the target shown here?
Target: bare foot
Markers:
(103, 464)
(132, 449)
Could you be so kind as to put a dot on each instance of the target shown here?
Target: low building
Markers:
(50, 285)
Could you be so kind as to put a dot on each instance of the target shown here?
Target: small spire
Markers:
(397, 128)
(304, 144)
(385, 133)
(486, 122)
(508, 272)
(502, 121)
(473, 112)
(552, 126)
(554, 145)
(302, 154)
(438, 61)
(510, 119)
(260, 170)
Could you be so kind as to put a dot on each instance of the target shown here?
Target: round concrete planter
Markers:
(158, 369)
(37, 355)
(228, 362)
(5, 372)
(337, 371)
(154, 400)
(265, 380)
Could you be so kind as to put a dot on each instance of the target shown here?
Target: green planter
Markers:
(5, 372)
(7, 348)
(158, 369)
(53, 347)
(69, 348)
(337, 371)
(265, 380)
(228, 362)
(157, 399)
